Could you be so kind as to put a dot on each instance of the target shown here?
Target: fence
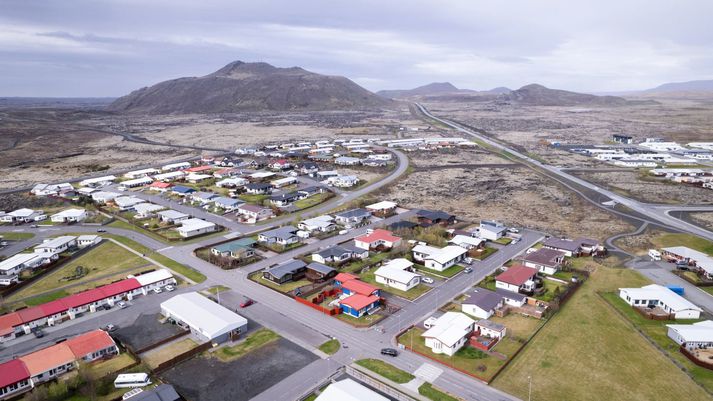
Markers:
(162, 342)
(378, 385)
(164, 366)
(330, 312)
(693, 358)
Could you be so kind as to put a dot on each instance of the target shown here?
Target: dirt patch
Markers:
(703, 219)
(145, 330)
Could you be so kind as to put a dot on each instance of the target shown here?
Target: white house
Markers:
(69, 216)
(23, 215)
(438, 259)
(207, 320)
(84, 241)
(176, 166)
(102, 197)
(172, 216)
(449, 333)
(141, 173)
(98, 181)
(517, 278)
(170, 176)
(465, 241)
(396, 274)
(349, 390)
(378, 238)
(655, 295)
(51, 189)
(488, 328)
(695, 336)
(545, 260)
(146, 210)
(155, 279)
(192, 227)
(324, 223)
(19, 262)
(482, 303)
(343, 181)
(254, 213)
(57, 245)
(126, 203)
(232, 182)
(137, 182)
(492, 230)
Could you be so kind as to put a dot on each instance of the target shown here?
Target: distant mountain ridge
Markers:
(688, 86)
(425, 90)
(538, 95)
(241, 86)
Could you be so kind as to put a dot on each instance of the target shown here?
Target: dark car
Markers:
(247, 302)
(38, 333)
(109, 328)
(389, 352)
(101, 230)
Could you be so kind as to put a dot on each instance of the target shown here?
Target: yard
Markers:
(598, 350)
(113, 365)
(364, 321)
(356, 266)
(486, 252)
(448, 273)
(386, 370)
(166, 352)
(254, 199)
(284, 288)
(413, 293)
(105, 263)
(313, 200)
(252, 342)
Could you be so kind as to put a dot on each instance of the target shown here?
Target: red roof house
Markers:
(358, 302)
(89, 343)
(13, 371)
(515, 278)
(198, 169)
(377, 238)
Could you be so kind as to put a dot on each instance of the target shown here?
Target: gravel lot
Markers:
(146, 330)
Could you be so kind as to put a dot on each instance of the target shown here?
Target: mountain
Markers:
(434, 88)
(241, 86)
(690, 86)
(538, 95)
(500, 90)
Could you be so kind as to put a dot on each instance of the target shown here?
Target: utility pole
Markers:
(529, 388)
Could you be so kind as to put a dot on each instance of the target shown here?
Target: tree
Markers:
(38, 394)
(58, 391)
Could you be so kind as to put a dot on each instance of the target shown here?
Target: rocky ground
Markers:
(702, 219)
(514, 195)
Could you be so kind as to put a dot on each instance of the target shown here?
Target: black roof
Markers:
(258, 185)
(162, 392)
(434, 214)
(320, 268)
(402, 224)
(484, 299)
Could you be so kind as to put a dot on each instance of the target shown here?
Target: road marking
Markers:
(428, 372)
(164, 249)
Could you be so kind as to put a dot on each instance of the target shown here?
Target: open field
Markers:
(164, 353)
(16, 236)
(103, 264)
(703, 219)
(428, 391)
(589, 341)
(655, 239)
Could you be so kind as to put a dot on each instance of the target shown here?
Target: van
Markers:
(428, 323)
(654, 254)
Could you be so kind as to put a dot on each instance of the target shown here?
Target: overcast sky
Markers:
(109, 48)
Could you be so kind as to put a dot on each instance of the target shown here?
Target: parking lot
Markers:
(146, 330)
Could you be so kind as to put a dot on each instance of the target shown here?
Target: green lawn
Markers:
(387, 370)
(279, 248)
(284, 288)
(330, 347)
(42, 299)
(218, 288)
(503, 241)
(448, 273)
(16, 236)
(356, 266)
(656, 330)
(252, 342)
(364, 321)
(411, 294)
(487, 251)
(691, 241)
(254, 199)
(102, 265)
(311, 201)
(588, 352)
(113, 365)
(428, 391)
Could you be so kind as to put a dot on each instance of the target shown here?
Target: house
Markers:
(127, 203)
(284, 200)
(136, 182)
(237, 249)
(488, 328)
(402, 225)
(545, 260)
(169, 177)
(102, 197)
(573, 248)
(431, 217)
(51, 189)
(466, 241)
(323, 175)
(98, 181)
(352, 217)
(203, 198)
(318, 272)
(349, 390)
(492, 230)
(338, 254)
(14, 379)
(382, 209)
(181, 190)
(69, 216)
(347, 161)
(84, 241)
(358, 298)
(159, 186)
(162, 392)
(286, 235)
(438, 259)
(146, 210)
(693, 336)
(192, 227)
(195, 178)
(343, 181)
(233, 182)
(654, 295)
(323, 224)
(625, 139)
(172, 216)
(261, 176)
(226, 172)
(141, 173)
(283, 182)
(280, 165)
(207, 320)
(23, 215)
(398, 274)
(176, 166)
(227, 204)
(57, 245)
(517, 278)
(291, 270)
(449, 333)
(258, 188)
(482, 303)
(15, 264)
(694, 259)
(313, 190)
(308, 168)
(254, 213)
(378, 239)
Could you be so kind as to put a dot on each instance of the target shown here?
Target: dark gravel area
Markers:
(145, 331)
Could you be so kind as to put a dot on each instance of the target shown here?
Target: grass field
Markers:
(428, 391)
(387, 370)
(284, 288)
(448, 273)
(105, 263)
(16, 236)
(217, 288)
(656, 330)
(588, 352)
(115, 364)
(330, 347)
(164, 353)
(252, 342)
(311, 201)
(691, 241)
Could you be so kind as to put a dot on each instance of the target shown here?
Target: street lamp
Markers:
(529, 388)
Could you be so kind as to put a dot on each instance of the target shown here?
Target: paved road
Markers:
(656, 213)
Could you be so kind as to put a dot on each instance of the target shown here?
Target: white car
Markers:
(427, 280)
(157, 290)
(122, 305)
(169, 288)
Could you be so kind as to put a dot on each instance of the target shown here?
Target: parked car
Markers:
(107, 307)
(427, 280)
(122, 305)
(101, 230)
(468, 270)
(109, 328)
(247, 302)
(34, 226)
(468, 260)
(389, 352)
(513, 230)
(515, 241)
(169, 288)
(38, 333)
(342, 232)
(157, 290)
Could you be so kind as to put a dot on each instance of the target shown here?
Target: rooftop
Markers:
(450, 328)
(516, 275)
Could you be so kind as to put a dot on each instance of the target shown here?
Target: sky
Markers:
(107, 48)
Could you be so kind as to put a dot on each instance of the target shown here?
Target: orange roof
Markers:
(88, 343)
(378, 235)
(344, 277)
(159, 184)
(47, 358)
(359, 287)
(8, 321)
(358, 301)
